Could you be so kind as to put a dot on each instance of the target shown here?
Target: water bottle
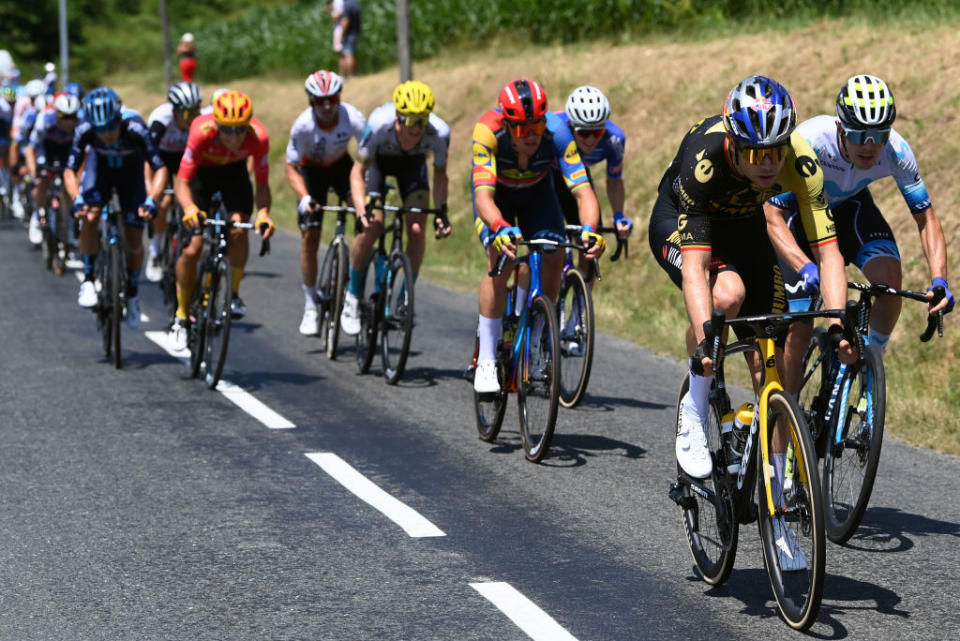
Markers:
(509, 331)
(735, 426)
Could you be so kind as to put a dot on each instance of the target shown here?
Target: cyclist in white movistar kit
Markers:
(855, 148)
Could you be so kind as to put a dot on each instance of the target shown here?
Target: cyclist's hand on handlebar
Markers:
(593, 241)
(503, 242)
(623, 224)
(306, 205)
(79, 207)
(810, 279)
(264, 224)
(845, 349)
(948, 301)
(148, 209)
(193, 217)
(441, 223)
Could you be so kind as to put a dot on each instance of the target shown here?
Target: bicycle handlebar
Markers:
(934, 321)
(623, 244)
(541, 244)
(230, 224)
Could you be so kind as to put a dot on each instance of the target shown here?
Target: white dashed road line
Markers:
(367, 491)
(535, 623)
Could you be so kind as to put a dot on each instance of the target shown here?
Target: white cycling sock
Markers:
(155, 245)
(309, 296)
(521, 301)
(488, 330)
(880, 340)
(700, 395)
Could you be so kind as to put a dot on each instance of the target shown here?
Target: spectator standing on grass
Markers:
(187, 57)
(346, 32)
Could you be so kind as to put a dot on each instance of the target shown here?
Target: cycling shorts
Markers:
(321, 179)
(862, 232)
(99, 180)
(232, 181)
(410, 172)
(534, 210)
(172, 160)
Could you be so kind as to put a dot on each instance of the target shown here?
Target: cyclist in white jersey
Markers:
(396, 141)
(169, 125)
(855, 148)
(317, 160)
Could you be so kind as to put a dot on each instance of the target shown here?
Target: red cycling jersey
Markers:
(204, 149)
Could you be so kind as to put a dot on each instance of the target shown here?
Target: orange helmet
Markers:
(232, 109)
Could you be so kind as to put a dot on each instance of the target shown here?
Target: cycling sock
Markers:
(155, 245)
(700, 394)
(776, 483)
(880, 340)
(133, 282)
(574, 319)
(183, 302)
(309, 297)
(521, 301)
(237, 277)
(488, 330)
(88, 262)
(356, 282)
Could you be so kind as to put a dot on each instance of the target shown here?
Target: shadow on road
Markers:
(591, 403)
(573, 450)
(251, 381)
(888, 529)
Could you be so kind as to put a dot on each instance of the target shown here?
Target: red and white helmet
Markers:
(523, 101)
(323, 83)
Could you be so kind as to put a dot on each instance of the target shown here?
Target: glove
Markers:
(306, 205)
(590, 237)
(150, 207)
(810, 279)
(263, 218)
(441, 222)
(942, 282)
(193, 217)
(618, 218)
(77, 205)
(506, 234)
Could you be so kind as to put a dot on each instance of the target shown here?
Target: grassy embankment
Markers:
(658, 89)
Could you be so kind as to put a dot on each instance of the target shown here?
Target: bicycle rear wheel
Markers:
(331, 286)
(169, 253)
(798, 516)
(815, 387)
(371, 310)
(48, 248)
(116, 304)
(575, 319)
(710, 523)
(489, 409)
(104, 307)
(397, 328)
(853, 451)
(538, 390)
(198, 320)
(217, 324)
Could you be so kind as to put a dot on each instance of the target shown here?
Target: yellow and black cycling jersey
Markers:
(709, 191)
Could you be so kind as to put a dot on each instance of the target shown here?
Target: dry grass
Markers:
(657, 90)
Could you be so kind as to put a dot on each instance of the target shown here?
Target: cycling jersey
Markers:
(380, 138)
(495, 162)
(50, 142)
(133, 147)
(709, 191)
(204, 149)
(314, 146)
(164, 131)
(610, 147)
(841, 179)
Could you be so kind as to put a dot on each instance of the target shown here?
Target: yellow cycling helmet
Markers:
(413, 98)
(232, 109)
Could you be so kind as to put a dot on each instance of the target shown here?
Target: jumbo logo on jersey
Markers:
(806, 166)
(704, 169)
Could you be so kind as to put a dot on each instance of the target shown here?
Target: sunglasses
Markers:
(524, 129)
(110, 126)
(413, 121)
(756, 155)
(187, 114)
(590, 132)
(66, 116)
(233, 131)
(861, 136)
(326, 101)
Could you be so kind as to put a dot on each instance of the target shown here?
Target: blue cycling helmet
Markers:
(73, 89)
(102, 106)
(759, 112)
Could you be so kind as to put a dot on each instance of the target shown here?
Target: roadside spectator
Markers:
(346, 32)
(187, 56)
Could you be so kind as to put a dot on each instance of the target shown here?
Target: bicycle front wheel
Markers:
(538, 390)
(710, 522)
(793, 538)
(370, 309)
(217, 323)
(116, 304)
(815, 387)
(397, 328)
(490, 408)
(331, 287)
(104, 307)
(198, 315)
(576, 337)
(853, 453)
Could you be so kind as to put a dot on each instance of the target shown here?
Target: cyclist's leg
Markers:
(492, 297)
(366, 237)
(201, 188)
(233, 182)
(317, 180)
(92, 185)
(414, 185)
(131, 191)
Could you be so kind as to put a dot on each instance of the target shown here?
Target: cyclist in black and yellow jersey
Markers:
(708, 232)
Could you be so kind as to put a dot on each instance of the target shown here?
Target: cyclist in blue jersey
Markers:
(50, 143)
(119, 145)
(855, 148)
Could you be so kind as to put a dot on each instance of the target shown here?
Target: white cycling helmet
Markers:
(66, 104)
(322, 83)
(35, 88)
(588, 107)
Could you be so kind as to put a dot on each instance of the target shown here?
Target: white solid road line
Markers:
(536, 624)
(236, 395)
(366, 490)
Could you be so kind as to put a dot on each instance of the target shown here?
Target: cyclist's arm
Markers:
(616, 193)
(934, 244)
(262, 197)
(440, 182)
(697, 298)
(587, 206)
(157, 182)
(181, 190)
(782, 238)
(358, 187)
(30, 158)
(295, 179)
(70, 183)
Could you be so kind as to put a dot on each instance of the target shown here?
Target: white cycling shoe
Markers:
(693, 455)
(178, 334)
(152, 269)
(34, 231)
(350, 316)
(485, 378)
(310, 323)
(87, 297)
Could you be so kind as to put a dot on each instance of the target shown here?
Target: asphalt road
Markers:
(136, 504)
